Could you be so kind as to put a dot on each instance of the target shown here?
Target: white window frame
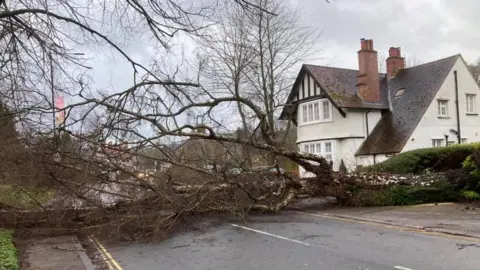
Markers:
(471, 103)
(316, 111)
(319, 149)
(436, 142)
(442, 108)
(464, 140)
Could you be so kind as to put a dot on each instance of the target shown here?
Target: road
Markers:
(295, 240)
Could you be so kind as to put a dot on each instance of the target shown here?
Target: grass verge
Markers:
(24, 197)
(8, 252)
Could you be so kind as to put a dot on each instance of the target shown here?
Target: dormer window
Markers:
(400, 92)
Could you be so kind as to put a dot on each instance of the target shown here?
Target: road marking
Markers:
(271, 234)
(109, 260)
(109, 265)
(395, 227)
(401, 268)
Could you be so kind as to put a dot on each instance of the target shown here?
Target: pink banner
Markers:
(59, 105)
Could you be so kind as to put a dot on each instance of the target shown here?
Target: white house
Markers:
(364, 117)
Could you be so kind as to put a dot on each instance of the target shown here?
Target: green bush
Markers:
(402, 195)
(342, 168)
(472, 166)
(24, 197)
(8, 252)
(437, 192)
(469, 195)
(427, 159)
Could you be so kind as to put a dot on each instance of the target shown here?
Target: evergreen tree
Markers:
(343, 168)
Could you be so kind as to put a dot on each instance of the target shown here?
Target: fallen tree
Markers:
(168, 114)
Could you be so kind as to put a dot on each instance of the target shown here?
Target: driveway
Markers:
(295, 240)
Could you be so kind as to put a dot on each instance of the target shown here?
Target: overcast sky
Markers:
(426, 29)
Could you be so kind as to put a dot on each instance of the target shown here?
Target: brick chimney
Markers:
(367, 78)
(395, 61)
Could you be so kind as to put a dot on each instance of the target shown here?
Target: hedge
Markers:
(419, 161)
(8, 252)
(397, 194)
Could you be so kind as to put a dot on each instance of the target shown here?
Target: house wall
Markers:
(370, 159)
(345, 133)
(306, 90)
(431, 126)
(347, 150)
(353, 125)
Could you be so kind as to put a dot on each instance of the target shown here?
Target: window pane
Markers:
(310, 112)
(305, 148)
(443, 107)
(471, 103)
(326, 110)
(437, 142)
(328, 147)
(316, 111)
(319, 148)
(304, 113)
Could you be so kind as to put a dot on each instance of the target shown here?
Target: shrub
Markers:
(469, 195)
(24, 197)
(8, 253)
(420, 160)
(342, 168)
(472, 165)
(401, 195)
(437, 192)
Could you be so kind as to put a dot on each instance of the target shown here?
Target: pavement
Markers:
(450, 218)
(52, 253)
(300, 240)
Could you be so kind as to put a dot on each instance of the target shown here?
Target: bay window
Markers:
(315, 112)
(323, 149)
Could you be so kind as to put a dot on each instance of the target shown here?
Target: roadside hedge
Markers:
(397, 194)
(8, 252)
(436, 159)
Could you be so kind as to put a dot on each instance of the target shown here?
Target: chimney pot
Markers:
(394, 52)
(363, 44)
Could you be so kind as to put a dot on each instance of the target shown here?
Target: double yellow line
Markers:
(106, 256)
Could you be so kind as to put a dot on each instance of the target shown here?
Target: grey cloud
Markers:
(426, 29)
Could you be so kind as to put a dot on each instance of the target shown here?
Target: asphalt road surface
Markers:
(300, 241)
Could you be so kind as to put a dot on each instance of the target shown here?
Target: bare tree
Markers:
(38, 62)
(413, 60)
(253, 55)
(410, 61)
(475, 70)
